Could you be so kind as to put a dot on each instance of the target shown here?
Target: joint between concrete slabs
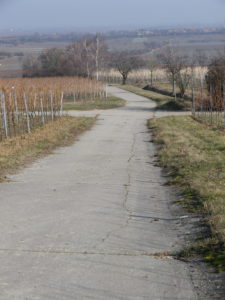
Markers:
(159, 255)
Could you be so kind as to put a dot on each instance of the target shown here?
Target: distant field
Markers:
(31, 47)
(14, 62)
(209, 43)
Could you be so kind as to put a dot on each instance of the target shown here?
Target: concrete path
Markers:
(93, 220)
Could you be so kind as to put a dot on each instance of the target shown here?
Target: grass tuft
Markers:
(210, 249)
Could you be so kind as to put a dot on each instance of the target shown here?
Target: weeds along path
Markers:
(94, 220)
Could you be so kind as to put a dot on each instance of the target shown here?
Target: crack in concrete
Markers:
(147, 181)
(132, 154)
(166, 219)
(130, 214)
(100, 253)
(124, 204)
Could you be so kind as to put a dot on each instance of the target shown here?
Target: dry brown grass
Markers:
(196, 155)
(144, 75)
(17, 151)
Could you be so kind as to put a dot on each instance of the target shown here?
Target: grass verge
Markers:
(195, 156)
(18, 151)
(163, 102)
(106, 103)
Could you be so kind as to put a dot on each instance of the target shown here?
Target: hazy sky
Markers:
(37, 14)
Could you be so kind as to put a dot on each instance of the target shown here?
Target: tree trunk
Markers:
(124, 79)
(174, 85)
(87, 58)
(182, 91)
(97, 57)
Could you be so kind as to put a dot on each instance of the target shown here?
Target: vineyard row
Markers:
(26, 104)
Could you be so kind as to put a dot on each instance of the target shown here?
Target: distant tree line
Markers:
(4, 54)
(85, 58)
(180, 69)
(125, 63)
(81, 58)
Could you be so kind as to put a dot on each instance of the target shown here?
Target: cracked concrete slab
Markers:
(93, 220)
(93, 277)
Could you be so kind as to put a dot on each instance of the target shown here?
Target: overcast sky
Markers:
(50, 14)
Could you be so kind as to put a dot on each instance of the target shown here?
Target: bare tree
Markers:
(49, 63)
(215, 80)
(77, 59)
(173, 62)
(86, 48)
(152, 64)
(99, 52)
(31, 67)
(200, 57)
(183, 79)
(125, 63)
(82, 58)
(87, 56)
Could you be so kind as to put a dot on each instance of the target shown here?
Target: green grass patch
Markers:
(18, 151)
(91, 104)
(163, 102)
(210, 249)
(195, 154)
